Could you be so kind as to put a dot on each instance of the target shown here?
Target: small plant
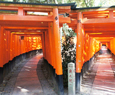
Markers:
(68, 51)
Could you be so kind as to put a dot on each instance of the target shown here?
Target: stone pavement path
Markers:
(27, 79)
(27, 82)
(100, 80)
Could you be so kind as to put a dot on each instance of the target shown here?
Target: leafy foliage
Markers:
(68, 51)
(80, 3)
(106, 3)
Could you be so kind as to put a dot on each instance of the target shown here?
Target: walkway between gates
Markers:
(100, 79)
(27, 79)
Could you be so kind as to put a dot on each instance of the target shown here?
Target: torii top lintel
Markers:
(94, 18)
(36, 7)
(26, 20)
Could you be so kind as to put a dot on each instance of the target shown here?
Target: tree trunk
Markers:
(14, 0)
(55, 1)
(47, 1)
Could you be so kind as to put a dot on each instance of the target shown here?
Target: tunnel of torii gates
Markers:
(21, 32)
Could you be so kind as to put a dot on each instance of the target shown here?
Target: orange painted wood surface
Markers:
(1, 46)
(57, 46)
(79, 44)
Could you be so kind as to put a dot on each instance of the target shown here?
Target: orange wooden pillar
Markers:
(29, 41)
(24, 45)
(37, 42)
(97, 46)
(109, 45)
(1, 53)
(84, 54)
(11, 47)
(43, 44)
(32, 43)
(19, 45)
(51, 44)
(79, 51)
(46, 47)
(86, 62)
(49, 49)
(89, 55)
(8, 46)
(27, 44)
(82, 48)
(57, 47)
(87, 47)
(45, 40)
(93, 47)
(16, 46)
(9, 38)
(22, 40)
(89, 52)
(114, 46)
(5, 48)
(90, 47)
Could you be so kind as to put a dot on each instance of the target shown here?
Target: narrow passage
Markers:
(100, 80)
(27, 82)
(27, 79)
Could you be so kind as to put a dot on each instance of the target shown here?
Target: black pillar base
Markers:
(87, 65)
(81, 76)
(6, 69)
(59, 79)
(1, 75)
(78, 82)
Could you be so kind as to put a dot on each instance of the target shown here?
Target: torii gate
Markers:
(17, 22)
(95, 25)
(88, 23)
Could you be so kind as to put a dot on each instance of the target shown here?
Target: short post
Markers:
(71, 79)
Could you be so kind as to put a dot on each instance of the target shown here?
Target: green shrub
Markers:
(68, 51)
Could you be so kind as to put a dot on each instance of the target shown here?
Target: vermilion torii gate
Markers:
(94, 26)
(17, 23)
